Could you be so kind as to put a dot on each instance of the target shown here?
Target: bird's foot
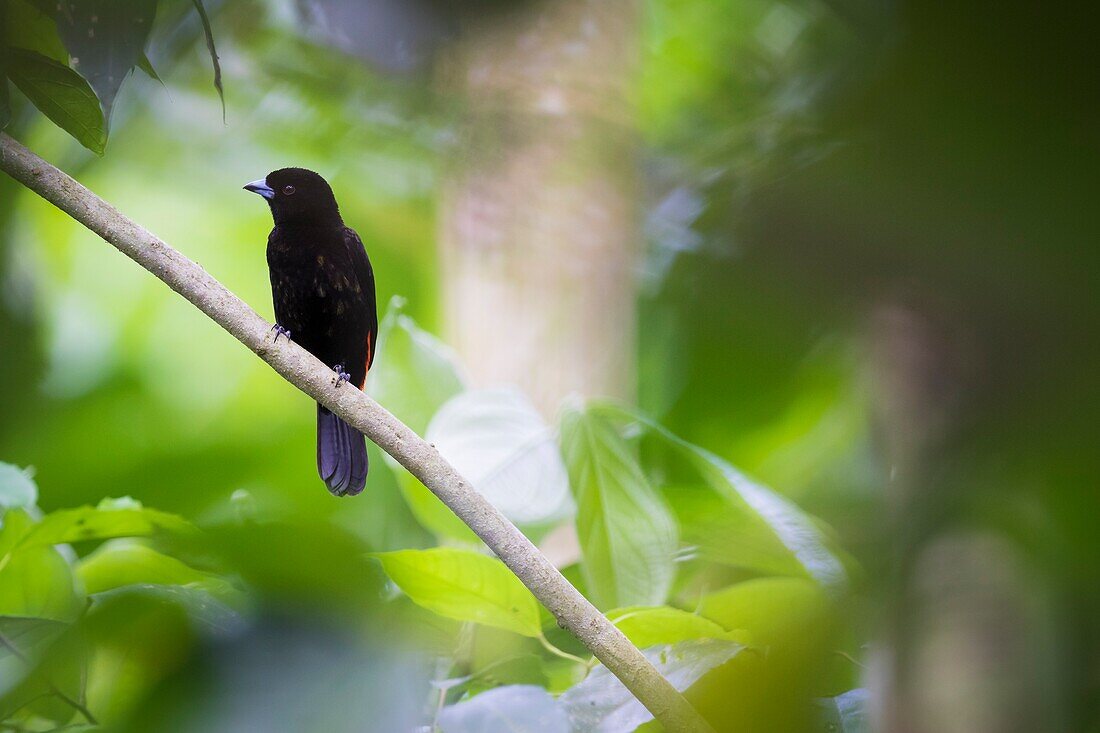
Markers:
(341, 375)
(280, 331)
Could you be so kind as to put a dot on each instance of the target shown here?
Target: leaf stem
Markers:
(850, 658)
(558, 652)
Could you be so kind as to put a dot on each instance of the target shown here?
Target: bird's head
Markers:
(297, 195)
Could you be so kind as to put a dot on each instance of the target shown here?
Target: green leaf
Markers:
(62, 95)
(28, 28)
(464, 585)
(210, 605)
(106, 39)
(125, 562)
(147, 66)
(27, 632)
(561, 674)
(602, 703)
(111, 518)
(14, 526)
(412, 378)
(30, 636)
(415, 373)
(208, 33)
(739, 522)
(729, 533)
(36, 658)
(17, 489)
(505, 449)
(432, 513)
(138, 638)
(37, 581)
(627, 535)
(798, 534)
(777, 612)
(385, 522)
(649, 626)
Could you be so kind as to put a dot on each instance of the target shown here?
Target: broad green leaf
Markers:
(62, 95)
(17, 489)
(729, 533)
(433, 634)
(136, 639)
(795, 530)
(432, 513)
(210, 604)
(510, 709)
(845, 713)
(414, 373)
(627, 534)
(27, 632)
(30, 636)
(385, 522)
(464, 585)
(739, 522)
(601, 703)
(795, 624)
(500, 443)
(28, 28)
(111, 518)
(63, 665)
(488, 645)
(14, 526)
(44, 658)
(125, 562)
(649, 626)
(777, 612)
(37, 581)
(561, 674)
(106, 39)
(413, 376)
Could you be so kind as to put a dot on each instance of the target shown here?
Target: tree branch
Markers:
(305, 372)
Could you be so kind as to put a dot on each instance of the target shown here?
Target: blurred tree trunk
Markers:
(538, 222)
(966, 645)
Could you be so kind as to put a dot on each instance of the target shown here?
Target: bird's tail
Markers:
(341, 455)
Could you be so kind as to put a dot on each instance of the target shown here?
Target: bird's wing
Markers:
(364, 274)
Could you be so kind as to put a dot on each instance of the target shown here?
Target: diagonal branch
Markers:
(301, 369)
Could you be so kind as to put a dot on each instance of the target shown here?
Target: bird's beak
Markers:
(261, 188)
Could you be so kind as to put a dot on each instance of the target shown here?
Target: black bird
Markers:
(322, 285)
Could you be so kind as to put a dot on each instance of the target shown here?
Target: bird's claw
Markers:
(280, 331)
(341, 375)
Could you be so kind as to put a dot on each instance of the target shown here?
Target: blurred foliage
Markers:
(250, 577)
(866, 284)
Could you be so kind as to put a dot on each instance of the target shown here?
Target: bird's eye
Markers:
(288, 190)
